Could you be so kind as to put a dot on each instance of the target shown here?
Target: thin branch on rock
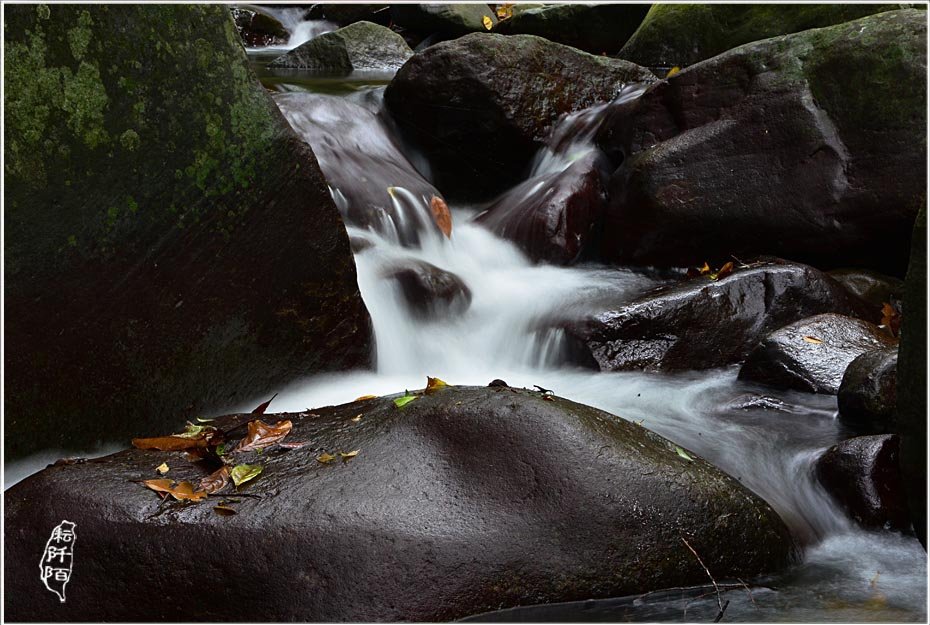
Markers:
(722, 606)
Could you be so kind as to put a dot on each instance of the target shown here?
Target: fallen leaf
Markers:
(724, 271)
(262, 435)
(193, 431)
(434, 384)
(162, 468)
(346, 456)
(366, 397)
(169, 443)
(224, 510)
(183, 491)
(262, 407)
(216, 481)
(325, 458)
(681, 452)
(488, 24)
(242, 473)
(504, 11)
(356, 418)
(441, 215)
(705, 269)
(202, 420)
(891, 319)
(813, 339)
(294, 445)
(672, 72)
(400, 402)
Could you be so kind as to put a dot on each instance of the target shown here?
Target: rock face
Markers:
(776, 147)
(373, 183)
(871, 286)
(912, 390)
(171, 247)
(480, 106)
(595, 28)
(430, 292)
(863, 475)
(359, 47)
(258, 29)
(868, 395)
(448, 20)
(553, 216)
(700, 324)
(812, 354)
(462, 501)
(348, 13)
(683, 34)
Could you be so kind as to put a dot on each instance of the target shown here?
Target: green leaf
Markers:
(221, 449)
(681, 452)
(192, 431)
(242, 473)
(400, 402)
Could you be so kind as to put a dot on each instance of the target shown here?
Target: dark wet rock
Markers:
(812, 354)
(776, 147)
(482, 105)
(430, 292)
(863, 475)
(871, 286)
(349, 13)
(374, 185)
(595, 28)
(699, 324)
(359, 47)
(912, 380)
(258, 29)
(171, 246)
(448, 20)
(464, 500)
(868, 395)
(498, 383)
(683, 34)
(554, 216)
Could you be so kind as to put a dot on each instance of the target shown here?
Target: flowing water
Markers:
(847, 574)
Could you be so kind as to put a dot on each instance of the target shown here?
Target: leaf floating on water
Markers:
(224, 510)
(325, 458)
(216, 481)
(181, 492)
(400, 402)
(242, 473)
(813, 340)
(262, 435)
(681, 452)
(346, 456)
(672, 72)
(366, 397)
(263, 407)
(441, 215)
(434, 384)
(169, 443)
(162, 468)
(488, 24)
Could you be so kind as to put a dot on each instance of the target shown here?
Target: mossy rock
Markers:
(595, 28)
(171, 246)
(359, 47)
(258, 29)
(683, 34)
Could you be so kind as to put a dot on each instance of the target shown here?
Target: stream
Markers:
(847, 573)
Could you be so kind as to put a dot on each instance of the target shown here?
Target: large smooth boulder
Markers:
(373, 183)
(868, 396)
(482, 105)
(875, 288)
(683, 34)
(430, 292)
(171, 248)
(912, 378)
(346, 13)
(447, 19)
(813, 354)
(554, 216)
(258, 29)
(778, 147)
(461, 501)
(862, 474)
(595, 28)
(699, 323)
(359, 47)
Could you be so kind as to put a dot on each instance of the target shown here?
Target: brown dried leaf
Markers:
(366, 397)
(183, 491)
(813, 339)
(705, 269)
(262, 435)
(434, 384)
(169, 443)
(726, 270)
(262, 407)
(891, 319)
(216, 481)
(325, 458)
(441, 214)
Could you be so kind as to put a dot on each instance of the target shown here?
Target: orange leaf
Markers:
(262, 407)
(366, 397)
(705, 269)
(184, 490)
(726, 270)
(813, 339)
(216, 481)
(169, 443)
(262, 435)
(441, 215)
(891, 319)
(434, 384)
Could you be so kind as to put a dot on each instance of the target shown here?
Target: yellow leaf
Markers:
(366, 397)
(487, 22)
(672, 72)
(162, 468)
(434, 384)
(356, 418)
(346, 456)
(325, 458)
(705, 269)
(242, 473)
(813, 339)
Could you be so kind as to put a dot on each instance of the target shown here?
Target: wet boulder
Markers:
(776, 147)
(373, 184)
(553, 216)
(868, 395)
(462, 501)
(346, 13)
(359, 47)
(812, 354)
(683, 34)
(862, 474)
(258, 29)
(875, 288)
(594, 28)
(482, 105)
(446, 20)
(430, 292)
(171, 245)
(699, 323)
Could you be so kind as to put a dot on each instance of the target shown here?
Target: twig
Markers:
(712, 580)
(748, 591)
